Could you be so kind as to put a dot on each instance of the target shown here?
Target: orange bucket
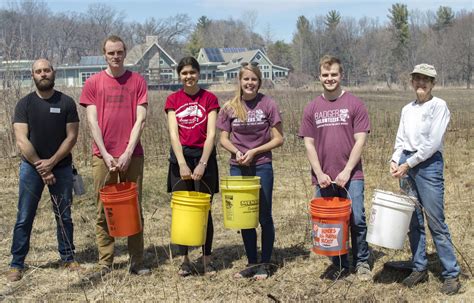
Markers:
(121, 208)
(330, 225)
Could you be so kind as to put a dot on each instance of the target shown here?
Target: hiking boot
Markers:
(335, 272)
(451, 286)
(416, 277)
(14, 274)
(73, 266)
(363, 272)
(140, 270)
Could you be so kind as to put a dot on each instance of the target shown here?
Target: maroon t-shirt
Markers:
(333, 124)
(191, 115)
(262, 115)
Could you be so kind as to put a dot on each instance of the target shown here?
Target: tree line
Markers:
(372, 52)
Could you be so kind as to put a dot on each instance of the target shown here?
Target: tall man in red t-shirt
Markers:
(335, 127)
(116, 103)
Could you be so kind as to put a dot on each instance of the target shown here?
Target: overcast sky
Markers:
(278, 15)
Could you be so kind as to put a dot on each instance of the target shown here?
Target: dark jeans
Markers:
(249, 236)
(30, 189)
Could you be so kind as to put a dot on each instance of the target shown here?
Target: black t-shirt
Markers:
(47, 119)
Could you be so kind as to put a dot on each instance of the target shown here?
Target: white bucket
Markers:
(389, 219)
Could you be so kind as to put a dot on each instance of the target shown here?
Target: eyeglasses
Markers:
(244, 64)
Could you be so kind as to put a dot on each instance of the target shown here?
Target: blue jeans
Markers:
(360, 248)
(426, 182)
(30, 189)
(249, 236)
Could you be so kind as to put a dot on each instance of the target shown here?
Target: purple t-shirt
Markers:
(262, 115)
(333, 124)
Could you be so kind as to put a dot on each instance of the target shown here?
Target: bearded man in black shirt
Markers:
(46, 125)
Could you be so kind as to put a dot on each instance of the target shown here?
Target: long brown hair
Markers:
(236, 104)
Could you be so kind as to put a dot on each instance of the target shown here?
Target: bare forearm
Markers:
(135, 136)
(64, 149)
(313, 160)
(227, 144)
(28, 151)
(98, 139)
(273, 143)
(208, 147)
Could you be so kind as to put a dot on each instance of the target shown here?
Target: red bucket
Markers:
(330, 217)
(121, 208)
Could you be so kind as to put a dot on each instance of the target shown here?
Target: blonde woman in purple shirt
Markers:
(251, 127)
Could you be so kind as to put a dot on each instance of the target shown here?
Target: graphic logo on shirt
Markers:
(254, 117)
(332, 117)
(190, 115)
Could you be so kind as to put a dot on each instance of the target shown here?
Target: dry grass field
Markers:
(297, 270)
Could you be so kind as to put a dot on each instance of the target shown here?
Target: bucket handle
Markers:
(201, 180)
(333, 183)
(107, 176)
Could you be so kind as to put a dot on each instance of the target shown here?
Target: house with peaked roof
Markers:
(223, 64)
(152, 61)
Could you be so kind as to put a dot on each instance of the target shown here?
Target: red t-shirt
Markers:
(191, 115)
(116, 100)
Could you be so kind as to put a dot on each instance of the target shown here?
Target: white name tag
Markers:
(55, 110)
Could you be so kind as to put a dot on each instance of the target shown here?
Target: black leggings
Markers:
(210, 178)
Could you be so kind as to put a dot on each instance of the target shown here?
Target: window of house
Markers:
(85, 75)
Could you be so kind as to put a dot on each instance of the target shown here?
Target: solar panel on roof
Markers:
(233, 49)
(214, 55)
(92, 60)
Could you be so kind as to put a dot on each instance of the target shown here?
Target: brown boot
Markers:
(14, 274)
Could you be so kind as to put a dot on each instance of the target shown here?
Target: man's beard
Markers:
(45, 84)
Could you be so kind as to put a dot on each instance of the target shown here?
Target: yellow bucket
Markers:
(189, 213)
(240, 201)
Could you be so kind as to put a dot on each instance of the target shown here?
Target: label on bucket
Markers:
(327, 236)
(249, 206)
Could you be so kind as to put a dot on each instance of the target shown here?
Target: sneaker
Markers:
(140, 270)
(247, 272)
(363, 272)
(262, 273)
(451, 286)
(335, 272)
(73, 266)
(416, 277)
(14, 274)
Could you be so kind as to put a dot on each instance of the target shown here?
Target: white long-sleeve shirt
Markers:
(421, 130)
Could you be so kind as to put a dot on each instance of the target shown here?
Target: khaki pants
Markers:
(105, 242)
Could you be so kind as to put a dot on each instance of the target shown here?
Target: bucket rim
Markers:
(240, 187)
(239, 178)
(404, 200)
(401, 196)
